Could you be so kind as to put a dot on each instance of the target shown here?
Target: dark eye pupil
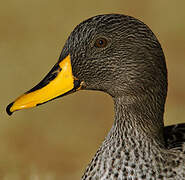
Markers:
(101, 42)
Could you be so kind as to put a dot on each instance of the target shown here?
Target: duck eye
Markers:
(100, 43)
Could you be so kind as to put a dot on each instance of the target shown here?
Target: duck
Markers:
(119, 55)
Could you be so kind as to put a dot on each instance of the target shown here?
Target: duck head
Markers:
(113, 53)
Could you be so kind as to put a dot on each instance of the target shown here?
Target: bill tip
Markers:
(9, 112)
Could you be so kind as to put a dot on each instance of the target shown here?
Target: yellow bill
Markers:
(58, 82)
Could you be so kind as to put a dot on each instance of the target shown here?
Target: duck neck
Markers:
(136, 136)
(139, 119)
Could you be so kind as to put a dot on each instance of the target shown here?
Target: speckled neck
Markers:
(137, 117)
(133, 143)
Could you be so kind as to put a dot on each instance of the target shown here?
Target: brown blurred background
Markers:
(57, 140)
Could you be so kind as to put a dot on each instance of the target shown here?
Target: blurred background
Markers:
(57, 140)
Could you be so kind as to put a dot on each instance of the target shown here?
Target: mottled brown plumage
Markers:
(132, 69)
(121, 56)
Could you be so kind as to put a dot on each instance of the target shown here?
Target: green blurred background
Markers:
(57, 140)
